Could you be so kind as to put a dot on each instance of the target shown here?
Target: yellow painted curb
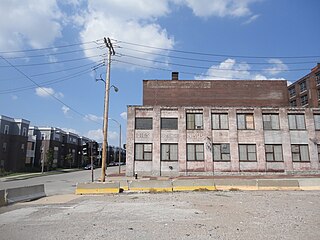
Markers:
(194, 188)
(96, 190)
(151, 189)
(235, 188)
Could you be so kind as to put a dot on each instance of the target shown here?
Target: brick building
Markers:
(13, 142)
(306, 91)
(66, 146)
(202, 127)
(217, 93)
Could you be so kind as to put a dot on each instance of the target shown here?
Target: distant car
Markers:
(88, 167)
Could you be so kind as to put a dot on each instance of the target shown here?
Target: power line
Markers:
(51, 54)
(187, 73)
(206, 60)
(43, 89)
(49, 63)
(201, 67)
(50, 48)
(52, 72)
(212, 54)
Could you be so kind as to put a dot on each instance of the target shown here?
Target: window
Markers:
(273, 153)
(221, 152)
(169, 152)
(169, 123)
(303, 86)
(195, 152)
(317, 121)
(194, 121)
(143, 151)
(300, 153)
(144, 123)
(219, 121)
(296, 122)
(318, 94)
(6, 129)
(304, 100)
(318, 78)
(318, 146)
(4, 147)
(245, 121)
(292, 91)
(270, 121)
(293, 103)
(247, 152)
(24, 131)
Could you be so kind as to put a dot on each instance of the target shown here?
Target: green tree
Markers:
(49, 156)
(69, 158)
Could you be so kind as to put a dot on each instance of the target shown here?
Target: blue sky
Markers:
(53, 82)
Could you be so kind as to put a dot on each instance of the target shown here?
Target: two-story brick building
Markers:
(203, 127)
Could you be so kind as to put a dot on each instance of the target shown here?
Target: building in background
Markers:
(208, 127)
(13, 142)
(65, 147)
(306, 91)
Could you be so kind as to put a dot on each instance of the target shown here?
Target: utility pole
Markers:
(106, 109)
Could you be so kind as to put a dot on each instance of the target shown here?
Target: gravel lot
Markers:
(186, 215)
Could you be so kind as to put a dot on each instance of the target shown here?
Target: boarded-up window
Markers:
(245, 121)
(143, 123)
(296, 122)
(169, 123)
(247, 152)
(195, 152)
(271, 121)
(300, 153)
(221, 152)
(219, 121)
(143, 151)
(169, 152)
(273, 153)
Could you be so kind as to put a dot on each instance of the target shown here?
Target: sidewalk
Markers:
(120, 183)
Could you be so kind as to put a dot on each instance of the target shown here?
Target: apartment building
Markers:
(66, 147)
(13, 142)
(306, 91)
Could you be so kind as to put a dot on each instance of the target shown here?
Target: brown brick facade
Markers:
(223, 93)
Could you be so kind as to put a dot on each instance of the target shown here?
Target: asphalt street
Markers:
(180, 215)
(64, 183)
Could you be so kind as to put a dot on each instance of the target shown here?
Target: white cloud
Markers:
(124, 115)
(32, 22)
(46, 92)
(277, 67)
(219, 8)
(252, 19)
(138, 18)
(71, 130)
(92, 117)
(96, 135)
(231, 70)
(65, 110)
(14, 97)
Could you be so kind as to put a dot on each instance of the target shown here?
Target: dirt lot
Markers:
(188, 215)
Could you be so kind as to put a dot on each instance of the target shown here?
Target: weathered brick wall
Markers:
(228, 93)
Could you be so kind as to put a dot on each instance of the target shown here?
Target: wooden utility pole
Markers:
(106, 109)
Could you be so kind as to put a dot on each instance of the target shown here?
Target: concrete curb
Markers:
(193, 185)
(278, 184)
(97, 188)
(2, 198)
(27, 193)
(150, 186)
